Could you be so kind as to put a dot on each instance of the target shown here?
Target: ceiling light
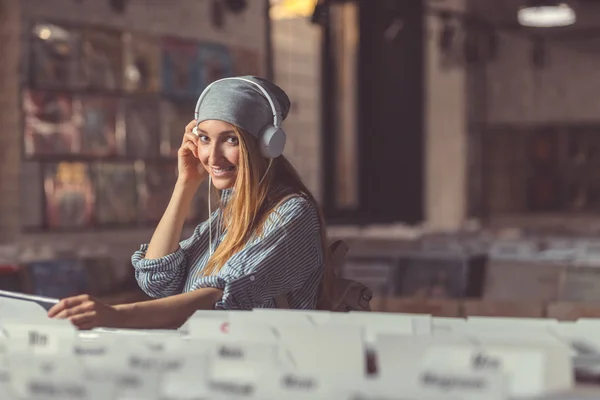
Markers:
(546, 14)
(289, 9)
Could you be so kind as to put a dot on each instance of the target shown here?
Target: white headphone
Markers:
(272, 138)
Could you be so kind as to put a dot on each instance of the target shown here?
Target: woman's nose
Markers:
(215, 153)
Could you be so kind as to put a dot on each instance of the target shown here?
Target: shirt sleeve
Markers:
(280, 261)
(165, 276)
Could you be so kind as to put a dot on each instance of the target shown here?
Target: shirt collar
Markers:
(226, 195)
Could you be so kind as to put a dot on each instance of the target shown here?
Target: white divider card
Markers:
(443, 325)
(440, 383)
(234, 369)
(5, 376)
(132, 385)
(134, 332)
(588, 322)
(205, 314)
(584, 340)
(557, 371)
(187, 382)
(50, 338)
(421, 323)
(512, 323)
(526, 367)
(374, 323)
(398, 355)
(59, 377)
(280, 316)
(14, 309)
(292, 385)
(329, 351)
(230, 329)
(133, 364)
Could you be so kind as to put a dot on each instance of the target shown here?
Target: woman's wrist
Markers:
(125, 315)
(188, 184)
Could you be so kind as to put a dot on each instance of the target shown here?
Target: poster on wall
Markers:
(158, 181)
(102, 59)
(141, 64)
(142, 127)
(215, 63)
(175, 116)
(180, 68)
(54, 55)
(246, 62)
(117, 193)
(52, 124)
(70, 195)
(99, 125)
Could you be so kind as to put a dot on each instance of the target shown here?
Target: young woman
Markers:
(265, 241)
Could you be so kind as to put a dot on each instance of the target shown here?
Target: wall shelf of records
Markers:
(103, 116)
(541, 169)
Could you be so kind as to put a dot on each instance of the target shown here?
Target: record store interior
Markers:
(299, 199)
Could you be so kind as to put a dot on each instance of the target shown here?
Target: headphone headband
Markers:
(277, 117)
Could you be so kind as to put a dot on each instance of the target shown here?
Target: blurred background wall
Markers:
(410, 121)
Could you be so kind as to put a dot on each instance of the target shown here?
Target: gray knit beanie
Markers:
(242, 104)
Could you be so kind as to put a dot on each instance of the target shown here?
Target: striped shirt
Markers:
(286, 259)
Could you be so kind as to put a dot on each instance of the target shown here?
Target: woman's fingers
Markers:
(87, 320)
(192, 148)
(67, 303)
(76, 310)
(190, 137)
(189, 127)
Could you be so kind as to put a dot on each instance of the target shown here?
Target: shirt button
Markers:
(252, 278)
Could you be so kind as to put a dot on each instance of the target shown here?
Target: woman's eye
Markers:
(232, 140)
(203, 138)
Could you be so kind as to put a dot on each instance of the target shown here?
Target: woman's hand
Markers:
(191, 170)
(86, 312)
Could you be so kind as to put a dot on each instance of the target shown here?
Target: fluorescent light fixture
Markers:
(289, 9)
(546, 15)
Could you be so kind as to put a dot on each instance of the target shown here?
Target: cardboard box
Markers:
(523, 280)
(580, 284)
(564, 311)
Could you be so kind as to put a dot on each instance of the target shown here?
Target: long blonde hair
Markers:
(252, 203)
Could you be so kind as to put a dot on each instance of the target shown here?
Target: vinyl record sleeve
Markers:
(142, 66)
(180, 66)
(54, 56)
(70, 195)
(158, 183)
(142, 127)
(52, 123)
(117, 193)
(99, 125)
(216, 63)
(102, 59)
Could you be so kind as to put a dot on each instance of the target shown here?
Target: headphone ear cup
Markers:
(272, 142)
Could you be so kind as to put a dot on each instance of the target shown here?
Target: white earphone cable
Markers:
(210, 249)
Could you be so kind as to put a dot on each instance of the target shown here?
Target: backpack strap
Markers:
(281, 301)
(337, 252)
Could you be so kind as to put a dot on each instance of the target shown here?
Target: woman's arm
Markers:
(191, 174)
(168, 313)
(86, 312)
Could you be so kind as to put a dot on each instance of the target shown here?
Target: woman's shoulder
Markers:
(295, 203)
(294, 209)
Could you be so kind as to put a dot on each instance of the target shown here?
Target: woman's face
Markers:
(219, 151)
